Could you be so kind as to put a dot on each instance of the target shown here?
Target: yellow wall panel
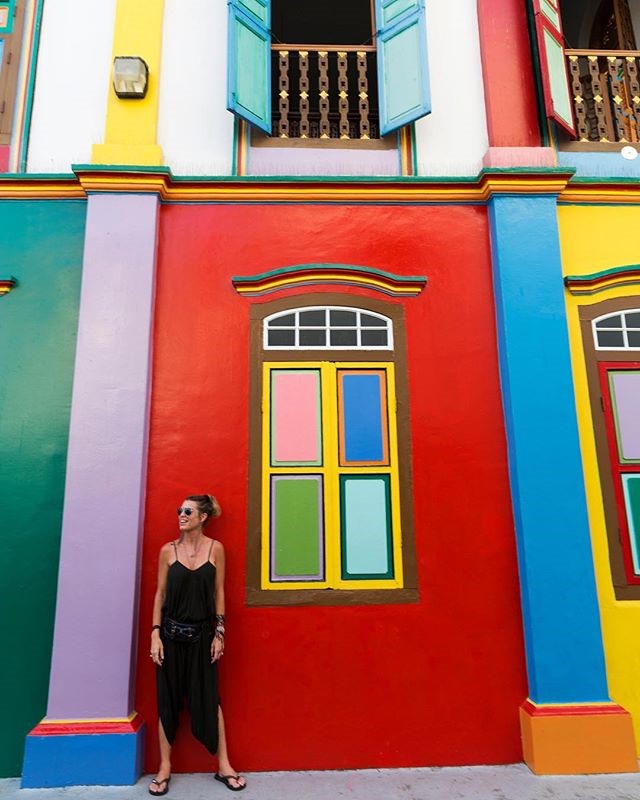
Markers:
(594, 238)
(131, 125)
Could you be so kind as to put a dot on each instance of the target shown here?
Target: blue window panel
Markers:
(403, 70)
(366, 527)
(364, 429)
(249, 70)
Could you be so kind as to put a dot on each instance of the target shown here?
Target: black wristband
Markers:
(153, 628)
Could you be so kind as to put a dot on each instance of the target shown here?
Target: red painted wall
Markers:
(433, 683)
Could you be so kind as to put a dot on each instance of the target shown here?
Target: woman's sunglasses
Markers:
(186, 511)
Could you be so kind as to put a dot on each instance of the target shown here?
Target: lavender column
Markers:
(92, 672)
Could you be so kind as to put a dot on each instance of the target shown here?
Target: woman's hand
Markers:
(217, 648)
(157, 648)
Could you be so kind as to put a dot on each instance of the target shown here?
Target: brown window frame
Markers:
(9, 73)
(593, 358)
(255, 594)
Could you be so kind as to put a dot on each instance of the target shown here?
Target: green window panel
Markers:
(297, 549)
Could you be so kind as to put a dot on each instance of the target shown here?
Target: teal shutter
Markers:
(403, 70)
(553, 65)
(249, 71)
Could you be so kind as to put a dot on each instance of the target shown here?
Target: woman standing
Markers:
(187, 639)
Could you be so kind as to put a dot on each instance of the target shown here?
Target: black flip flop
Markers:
(226, 779)
(159, 783)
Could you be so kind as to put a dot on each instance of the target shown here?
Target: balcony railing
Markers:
(606, 94)
(324, 92)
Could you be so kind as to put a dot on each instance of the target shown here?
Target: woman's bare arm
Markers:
(157, 650)
(217, 645)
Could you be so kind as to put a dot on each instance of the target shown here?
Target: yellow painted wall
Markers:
(594, 238)
(131, 125)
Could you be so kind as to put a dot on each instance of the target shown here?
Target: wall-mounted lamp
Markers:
(130, 76)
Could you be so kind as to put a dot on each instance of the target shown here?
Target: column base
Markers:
(577, 739)
(84, 753)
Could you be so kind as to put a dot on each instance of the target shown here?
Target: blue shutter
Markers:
(403, 72)
(249, 73)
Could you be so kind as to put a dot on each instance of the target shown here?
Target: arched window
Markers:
(611, 337)
(619, 331)
(330, 454)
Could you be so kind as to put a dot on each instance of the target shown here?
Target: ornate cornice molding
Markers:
(90, 179)
(330, 274)
(6, 285)
(627, 275)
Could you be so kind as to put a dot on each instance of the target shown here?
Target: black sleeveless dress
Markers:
(187, 670)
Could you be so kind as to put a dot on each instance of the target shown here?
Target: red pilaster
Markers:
(509, 86)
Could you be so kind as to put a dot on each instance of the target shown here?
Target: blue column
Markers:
(564, 650)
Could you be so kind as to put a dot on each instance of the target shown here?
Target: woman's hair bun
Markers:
(207, 504)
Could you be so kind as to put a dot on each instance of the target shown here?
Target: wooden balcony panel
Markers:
(605, 89)
(325, 93)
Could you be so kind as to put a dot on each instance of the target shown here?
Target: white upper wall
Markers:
(453, 139)
(70, 101)
(195, 130)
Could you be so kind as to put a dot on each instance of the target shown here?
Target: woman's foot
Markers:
(160, 784)
(231, 780)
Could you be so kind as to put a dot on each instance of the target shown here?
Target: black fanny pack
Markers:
(183, 631)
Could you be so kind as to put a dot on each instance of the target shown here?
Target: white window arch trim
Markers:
(624, 328)
(328, 327)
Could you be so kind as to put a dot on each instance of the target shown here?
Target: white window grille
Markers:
(617, 331)
(328, 328)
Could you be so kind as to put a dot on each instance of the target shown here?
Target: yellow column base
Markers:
(139, 155)
(577, 740)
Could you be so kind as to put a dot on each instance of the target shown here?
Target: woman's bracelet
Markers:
(155, 628)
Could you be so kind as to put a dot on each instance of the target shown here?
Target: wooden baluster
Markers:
(618, 95)
(634, 93)
(601, 99)
(283, 94)
(323, 85)
(304, 94)
(363, 96)
(343, 94)
(579, 105)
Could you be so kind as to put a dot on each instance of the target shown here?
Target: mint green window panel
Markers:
(297, 528)
(366, 531)
(631, 488)
(403, 69)
(249, 69)
(553, 66)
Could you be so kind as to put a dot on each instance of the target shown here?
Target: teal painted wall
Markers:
(41, 244)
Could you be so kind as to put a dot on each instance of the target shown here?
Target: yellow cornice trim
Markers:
(145, 179)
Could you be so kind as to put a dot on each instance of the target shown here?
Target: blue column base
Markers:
(83, 754)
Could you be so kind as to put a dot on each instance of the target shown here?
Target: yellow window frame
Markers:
(331, 471)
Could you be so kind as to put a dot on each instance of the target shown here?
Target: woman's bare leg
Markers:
(164, 770)
(224, 765)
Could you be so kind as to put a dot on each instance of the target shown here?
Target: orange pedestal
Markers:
(580, 739)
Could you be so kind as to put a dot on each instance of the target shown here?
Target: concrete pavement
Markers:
(512, 782)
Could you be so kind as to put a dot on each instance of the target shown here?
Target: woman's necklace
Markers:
(196, 547)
